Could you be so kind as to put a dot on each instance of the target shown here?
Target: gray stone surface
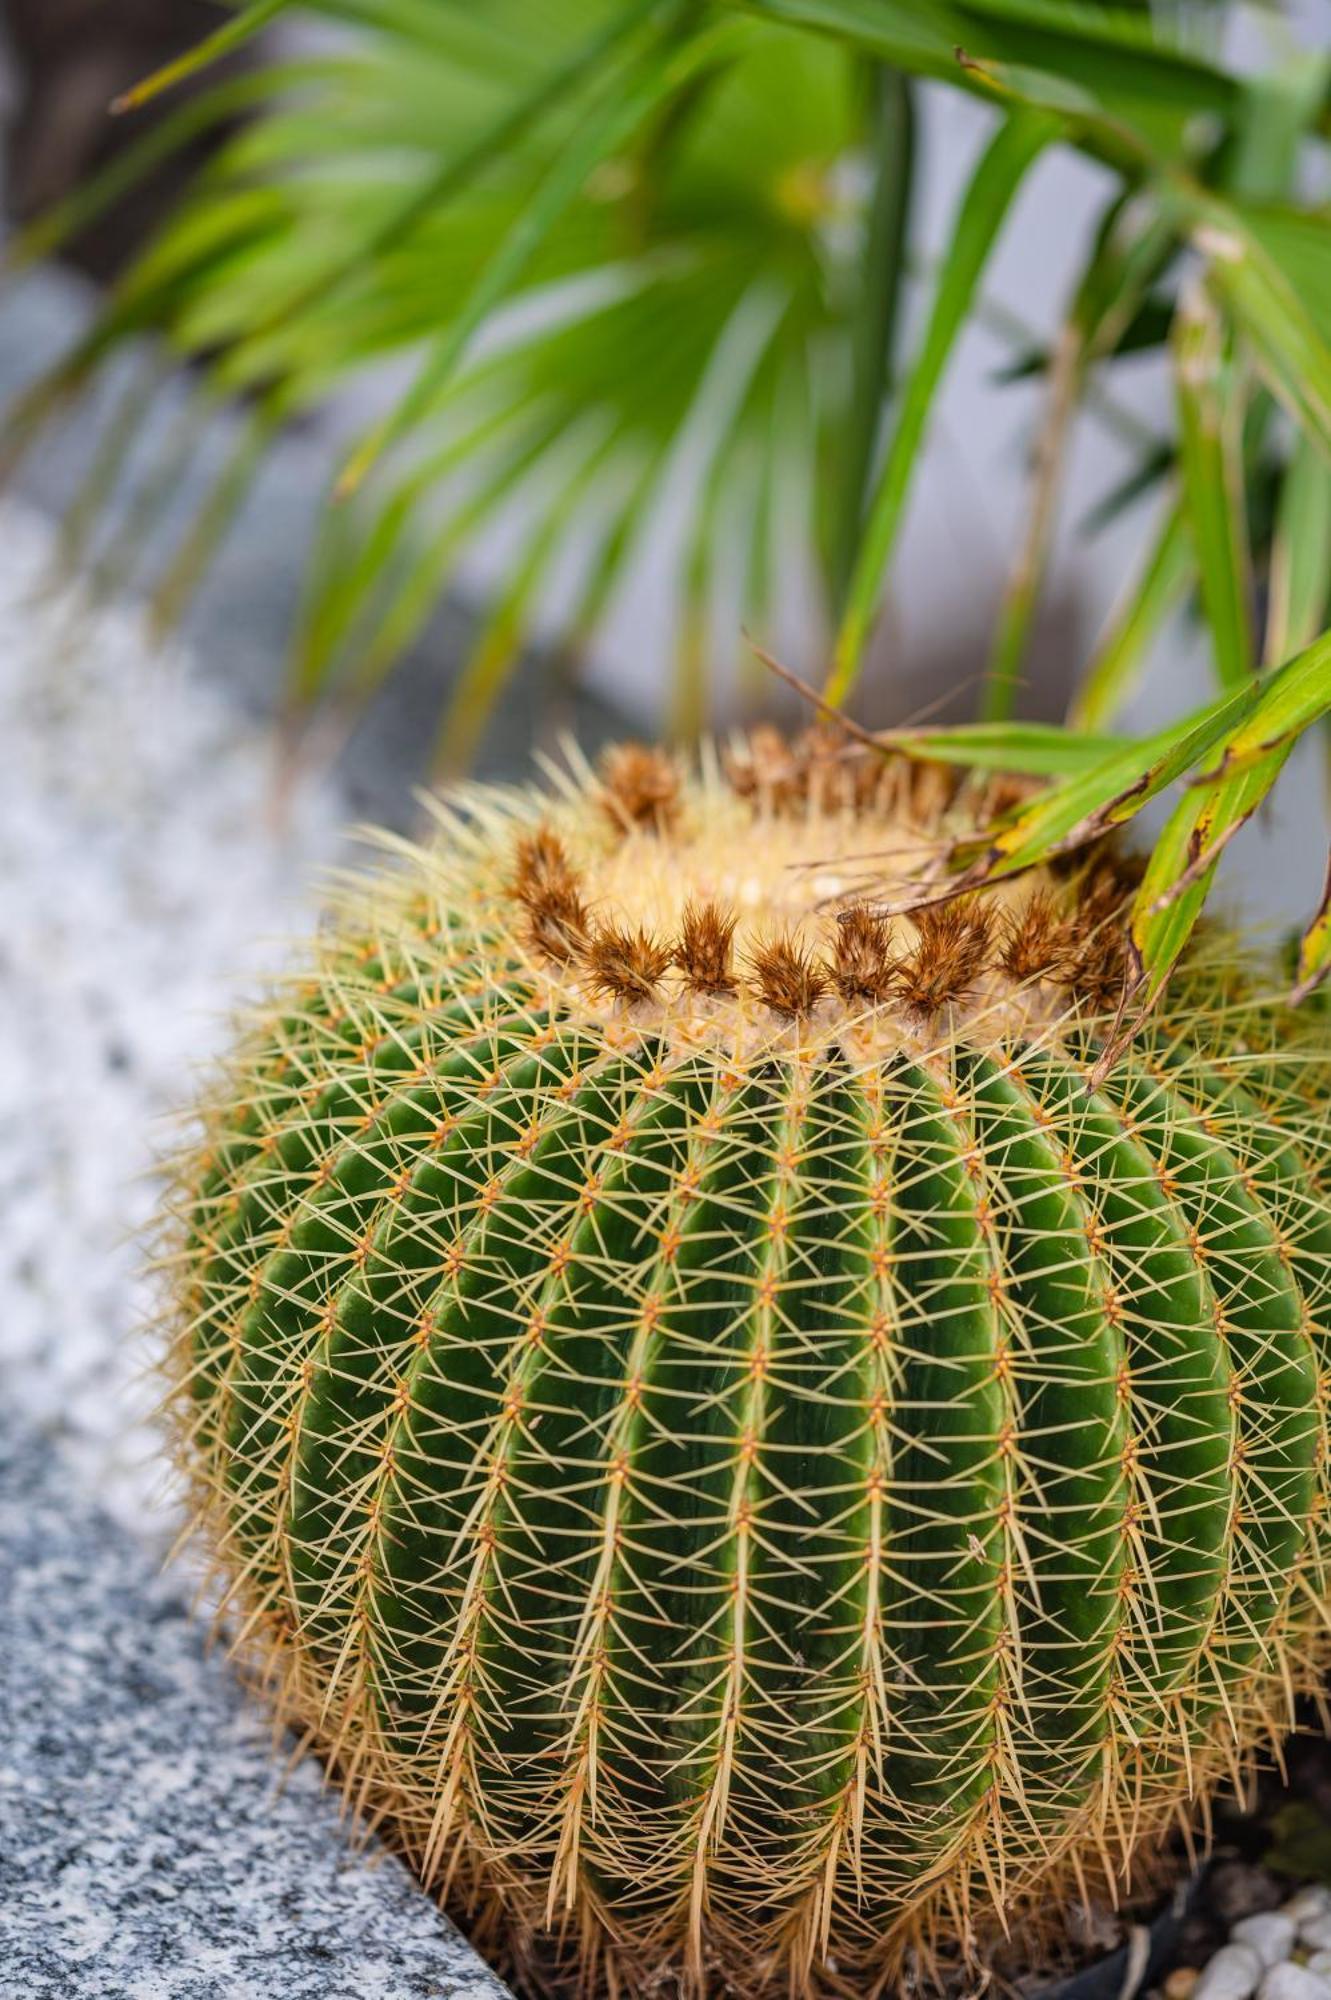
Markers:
(146, 1851)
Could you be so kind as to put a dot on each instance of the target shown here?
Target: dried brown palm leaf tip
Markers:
(550, 890)
(862, 966)
(625, 964)
(952, 948)
(704, 949)
(641, 787)
(787, 978)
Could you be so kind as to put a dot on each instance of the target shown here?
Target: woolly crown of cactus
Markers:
(755, 1461)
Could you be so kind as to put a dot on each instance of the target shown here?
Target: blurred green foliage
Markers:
(621, 256)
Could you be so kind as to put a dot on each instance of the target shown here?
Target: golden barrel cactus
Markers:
(751, 1456)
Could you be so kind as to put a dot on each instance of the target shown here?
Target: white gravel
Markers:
(1231, 1975)
(1270, 1934)
(143, 885)
(1293, 1982)
(1273, 1954)
(1307, 1904)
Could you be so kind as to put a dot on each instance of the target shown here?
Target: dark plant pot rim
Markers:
(1136, 1963)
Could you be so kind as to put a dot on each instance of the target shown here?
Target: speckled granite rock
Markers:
(145, 1851)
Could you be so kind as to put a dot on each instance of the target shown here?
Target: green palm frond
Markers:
(610, 245)
(1227, 755)
(635, 270)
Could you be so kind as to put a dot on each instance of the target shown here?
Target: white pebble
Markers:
(1315, 1932)
(1320, 1963)
(1231, 1975)
(1270, 1934)
(1314, 1901)
(127, 780)
(1293, 1982)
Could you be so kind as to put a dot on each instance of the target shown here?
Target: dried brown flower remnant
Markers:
(1068, 933)
(842, 774)
(548, 886)
(1097, 959)
(625, 964)
(932, 788)
(557, 921)
(835, 774)
(1005, 792)
(950, 952)
(1108, 883)
(1097, 962)
(874, 779)
(541, 858)
(1103, 865)
(641, 787)
(819, 769)
(862, 966)
(766, 768)
(787, 978)
(1034, 940)
(703, 949)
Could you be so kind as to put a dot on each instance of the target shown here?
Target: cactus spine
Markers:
(754, 1468)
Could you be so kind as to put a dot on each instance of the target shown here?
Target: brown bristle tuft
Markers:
(541, 858)
(557, 921)
(625, 964)
(547, 885)
(875, 783)
(820, 756)
(862, 966)
(950, 953)
(1103, 861)
(640, 787)
(787, 978)
(1004, 793)
(766, 768)
(1096, 968)
(819, 768)
(835, 774)
(1034, 941)
(932, 788)
(1111, 879)
(703, 949)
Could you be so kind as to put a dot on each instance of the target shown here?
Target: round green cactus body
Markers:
(749, 1450)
